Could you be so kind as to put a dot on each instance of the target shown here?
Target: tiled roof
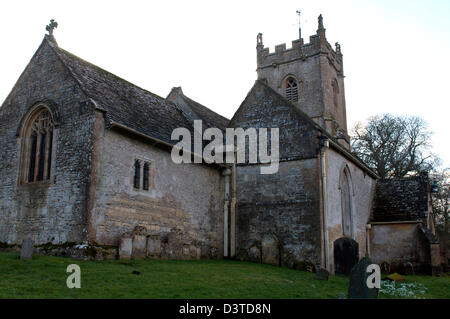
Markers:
(401, 199)
(196, 111)
(124, 102)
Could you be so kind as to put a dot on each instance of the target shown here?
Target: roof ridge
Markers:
(207, 108)
(334, 143)
(52, 46)
(104, 70)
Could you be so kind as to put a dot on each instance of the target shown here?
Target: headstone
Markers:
(185, 250)
(341, 296)
(346, 255)
(193, 251)
(408, 268)
(322, 274)
(270, 250)
(27, 249)
(125, 247)
(139, 246)
(254, 254)
(153, 246)
(358, 281)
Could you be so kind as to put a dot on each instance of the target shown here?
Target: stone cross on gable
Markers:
(53, 25)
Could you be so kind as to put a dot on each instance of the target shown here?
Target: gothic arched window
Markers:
(346, 206)
(291, 89)
(38, 147)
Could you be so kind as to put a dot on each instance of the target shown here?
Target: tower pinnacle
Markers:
(259, 40)
(321, 31)
(320, 22)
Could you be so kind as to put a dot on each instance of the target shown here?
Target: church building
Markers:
(85, 160)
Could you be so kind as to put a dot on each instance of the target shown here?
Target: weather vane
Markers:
(53, 25)
(299, 26)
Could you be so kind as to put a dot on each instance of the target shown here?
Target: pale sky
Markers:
(396, 53)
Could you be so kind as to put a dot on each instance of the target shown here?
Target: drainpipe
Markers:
(368, 228)
(227, 173)
(324, 145)
(233, 208)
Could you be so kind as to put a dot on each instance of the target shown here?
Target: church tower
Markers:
(311, 76)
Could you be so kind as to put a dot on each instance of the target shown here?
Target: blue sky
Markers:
(396, 53)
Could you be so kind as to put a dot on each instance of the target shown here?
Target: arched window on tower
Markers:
(291, 89)
(38, 147)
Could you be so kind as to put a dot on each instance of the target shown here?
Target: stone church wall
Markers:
(182, 212)
(362, 190)
(395, 243)
(53, 211)
(278, 215)
(307, 74)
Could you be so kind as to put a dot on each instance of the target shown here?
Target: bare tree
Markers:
(394, 146)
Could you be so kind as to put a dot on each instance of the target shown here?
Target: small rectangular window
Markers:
(137, 173)
(141, 175)
(145, 177)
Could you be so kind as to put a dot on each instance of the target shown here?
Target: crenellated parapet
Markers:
(318, 44)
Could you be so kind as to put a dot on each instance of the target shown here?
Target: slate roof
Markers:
(197, 111)
(296, 111)
(401, 199)
(124, 102)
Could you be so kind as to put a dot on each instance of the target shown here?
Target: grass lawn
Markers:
(45, 277)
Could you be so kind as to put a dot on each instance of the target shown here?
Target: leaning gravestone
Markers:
(27, 249)
(358, 281)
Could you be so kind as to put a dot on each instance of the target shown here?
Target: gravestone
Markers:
(139, 246)
(27, 249)
(358, 281)
(125, 247)
(254, 254)
(153, 246)
(408, 268)
(346, 255)
(322, 274)
(193, 251)
(270, 250)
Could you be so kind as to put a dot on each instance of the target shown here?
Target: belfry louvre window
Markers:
(291, 89)
(39, 147)
(141, 175)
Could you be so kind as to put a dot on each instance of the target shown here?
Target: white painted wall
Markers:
(362, 190)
